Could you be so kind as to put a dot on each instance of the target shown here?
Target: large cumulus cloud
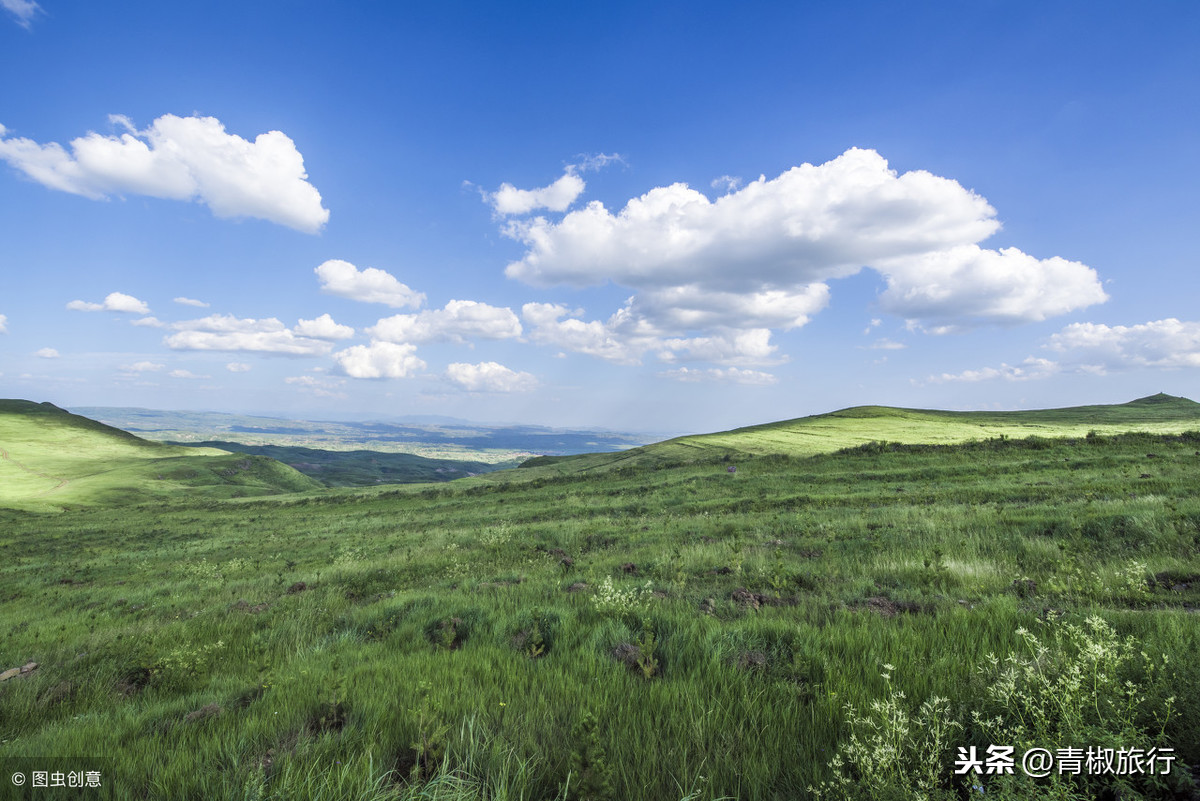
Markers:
(760, 258)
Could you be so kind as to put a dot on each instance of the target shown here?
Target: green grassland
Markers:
(52, 459)
(662, 628)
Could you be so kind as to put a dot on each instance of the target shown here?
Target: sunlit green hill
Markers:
(826, 433)
(51, 459)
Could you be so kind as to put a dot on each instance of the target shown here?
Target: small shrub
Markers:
(611, 599)
(592, 776)
(1069, 691)
(892, 752)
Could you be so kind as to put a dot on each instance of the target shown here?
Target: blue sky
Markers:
(671, 217)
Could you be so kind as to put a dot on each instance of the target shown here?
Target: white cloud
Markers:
(143, 367)
(760, 257)
(809, 224)
(1097, 349)
(46, 353)
(593, 338)
(1169, 343)
(966, 284)
(692, 308)
(459, 321)
(379, 360)
(229, 333)
(630, 333)
(186, 374)
(3, 324)
(238, 367)
(1031, 368)
(114, 301)
(489, 377)
(343, 279)
(323, 328)
(149, 322)
(558, 196)
(181, 158)
(723, 375)
(752, 346)
(24, 12)
(192, 302)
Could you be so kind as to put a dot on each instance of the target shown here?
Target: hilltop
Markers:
(51, 459)
(859, 425)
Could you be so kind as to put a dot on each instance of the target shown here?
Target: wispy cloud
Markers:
(191, 302)
(1030, 369)
(143, 367)
(1098, 349)
(729, 375)
(23, 12)
(726, 183)
(1168, 344)
(321, 387)
(224, 332)
(459, 321)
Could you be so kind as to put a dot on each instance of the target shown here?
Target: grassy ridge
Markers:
(825, 433)
(476, 637)
(53, 459)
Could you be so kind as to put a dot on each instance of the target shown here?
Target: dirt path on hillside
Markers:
(62, 482)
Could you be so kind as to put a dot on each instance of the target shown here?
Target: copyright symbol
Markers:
(18, 779)
(1037, 762)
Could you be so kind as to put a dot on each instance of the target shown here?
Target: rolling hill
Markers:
(51, 459)
(848, 428)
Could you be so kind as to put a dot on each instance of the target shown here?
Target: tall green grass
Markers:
(175, 638)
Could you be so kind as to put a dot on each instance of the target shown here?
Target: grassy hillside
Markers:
(826, 433)
(644, 634)
(51, 459)
(362, 468)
